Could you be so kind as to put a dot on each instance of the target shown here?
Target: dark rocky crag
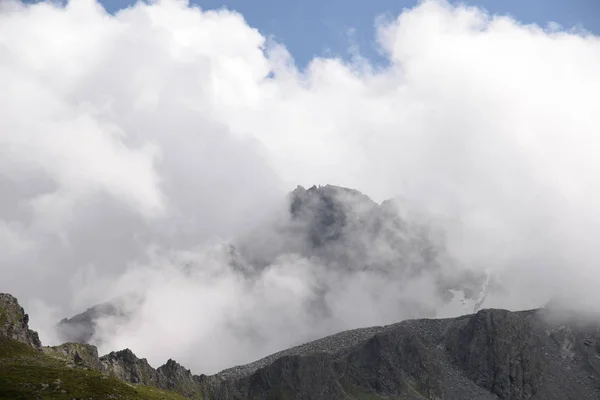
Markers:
(14, 323)
(347, 230)
(493, 354)
(171, 376)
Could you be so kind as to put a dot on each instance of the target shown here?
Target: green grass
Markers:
(148, 392)
(28, 374)
(359, 394)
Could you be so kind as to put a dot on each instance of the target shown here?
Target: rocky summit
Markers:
(493, 354)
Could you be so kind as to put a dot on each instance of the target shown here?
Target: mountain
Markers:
(493, 354)
(82, 327)
(345, 233)
(346, 230)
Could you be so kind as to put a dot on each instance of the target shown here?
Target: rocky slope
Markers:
(70, 371)
(493, 354)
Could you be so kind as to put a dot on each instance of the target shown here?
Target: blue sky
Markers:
(319, 27)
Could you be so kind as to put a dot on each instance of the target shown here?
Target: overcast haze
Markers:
(134, 143)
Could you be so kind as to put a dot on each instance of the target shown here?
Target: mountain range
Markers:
(493, 354)
(481, 353)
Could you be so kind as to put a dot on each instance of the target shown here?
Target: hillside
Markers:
(493, 354)
(72, 371)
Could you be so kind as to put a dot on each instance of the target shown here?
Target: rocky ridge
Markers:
(493, 354)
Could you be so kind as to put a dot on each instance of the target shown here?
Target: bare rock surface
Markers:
(14, 323)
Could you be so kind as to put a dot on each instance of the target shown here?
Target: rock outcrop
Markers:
(129, 368)
(171, 376)
(14, 323)
(76, 354)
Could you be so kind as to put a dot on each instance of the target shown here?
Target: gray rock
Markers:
(127, 367)
(76, 353)
(494, 354)
(14, 323)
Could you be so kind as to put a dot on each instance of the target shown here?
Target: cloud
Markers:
(135, 142)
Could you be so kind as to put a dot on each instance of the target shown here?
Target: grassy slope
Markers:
(29, 374)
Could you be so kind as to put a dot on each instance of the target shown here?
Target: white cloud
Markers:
(160, 127)
(15, 241)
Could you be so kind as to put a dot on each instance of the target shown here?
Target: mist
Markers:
(136, 147)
